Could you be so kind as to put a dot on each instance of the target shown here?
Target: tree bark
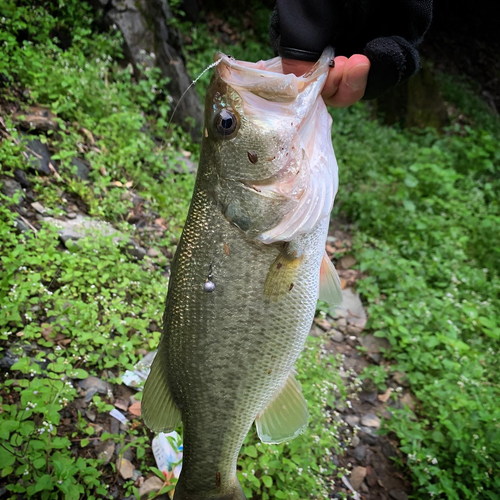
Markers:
(150, 41)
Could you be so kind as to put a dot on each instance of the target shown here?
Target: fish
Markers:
(248, 271)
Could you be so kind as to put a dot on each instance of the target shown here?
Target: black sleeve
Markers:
(388, 32)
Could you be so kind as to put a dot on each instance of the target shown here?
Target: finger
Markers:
(296, 67)
(353, 84)
(335, 76)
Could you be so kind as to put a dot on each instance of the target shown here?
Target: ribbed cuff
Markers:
(301, 55)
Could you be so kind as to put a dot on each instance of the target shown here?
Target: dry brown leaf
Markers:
(135, 409)
(387, 394)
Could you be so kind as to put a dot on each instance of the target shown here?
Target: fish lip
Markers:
(259, 67)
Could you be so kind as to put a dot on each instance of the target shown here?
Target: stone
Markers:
(388, 450)
(352, 305)
(401, 379)
(337, 312)
(360, 452)
(336, 336)
(81, 226)
(71, 215)
(39, 207)
(374, 345)
(135, 250)
(82, 168)
(352, 420)
(122, 404)
(398, 495)
(136, 475)
(38, 156)
(355, 441)
(22, 226)
(357, 476)
(125, 468)
(153, 253)
(370, 420)
(367, 437)
(151, 485)
(91, 415)
(10, 187)
(92, 382)
(408, 400)
(20, 177)
(37, 118)
(106, 451)
(346, 262)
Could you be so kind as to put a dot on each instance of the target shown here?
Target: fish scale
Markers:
(238, 310)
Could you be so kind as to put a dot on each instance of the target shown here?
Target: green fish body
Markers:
(246, 275)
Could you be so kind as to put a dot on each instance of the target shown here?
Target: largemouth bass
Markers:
(246, 275)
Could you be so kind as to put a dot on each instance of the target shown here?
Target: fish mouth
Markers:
(266, 79)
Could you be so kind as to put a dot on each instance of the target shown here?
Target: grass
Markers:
(426, 213)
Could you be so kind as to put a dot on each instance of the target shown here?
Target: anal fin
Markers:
(330, 289)
(286, 416)
(158, 409)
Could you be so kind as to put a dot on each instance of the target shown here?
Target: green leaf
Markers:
(267, 481)
(6, 458)
(438, 436)
(251, 451)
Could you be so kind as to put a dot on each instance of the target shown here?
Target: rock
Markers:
(82, 168)
(360, 453)
(10, 187)
(91, 415)
(122, 404)
(388, 450)
(22, 226)
(106, 451)
(355, 441)
(352, 305)
(38, 156)
(346, 262)
(184, 165)
(151, 485)
(135, 250)
(371, 477)
(37, 118)
(39, 207)
(136, 475)
(368, 397)
(153, 253)
(370, 420)
(337, 312)
(401, 379)
(367, 437)
(408, 400)
(357, 476)
(125, 468)
(20, 177)
(352, 420)
(374, 346)
(336, 336)
(323, 324)
(398, 495)
(71, 215)
(81, 226)
(92, 382)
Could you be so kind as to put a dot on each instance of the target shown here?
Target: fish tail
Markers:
(235, 493)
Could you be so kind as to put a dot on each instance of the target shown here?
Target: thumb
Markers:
(295, 66)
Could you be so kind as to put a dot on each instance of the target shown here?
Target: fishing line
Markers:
(190, 85)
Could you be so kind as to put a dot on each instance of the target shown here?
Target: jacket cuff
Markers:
(302, 55)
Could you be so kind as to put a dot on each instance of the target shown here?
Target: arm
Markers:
(376, 42)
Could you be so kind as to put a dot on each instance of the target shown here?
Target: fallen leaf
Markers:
(135, 409)
(387, 394)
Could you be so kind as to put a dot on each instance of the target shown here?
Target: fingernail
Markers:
(357, 76)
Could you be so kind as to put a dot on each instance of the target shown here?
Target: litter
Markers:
(167, 450)
(119, 416)
(135, 378)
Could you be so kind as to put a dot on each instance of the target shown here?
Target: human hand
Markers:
(346, 82)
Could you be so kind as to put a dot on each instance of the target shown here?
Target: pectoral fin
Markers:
(159, 411)
(285, 417)
(330, 289)
(281, 276)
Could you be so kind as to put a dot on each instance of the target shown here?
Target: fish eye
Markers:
(226, 123)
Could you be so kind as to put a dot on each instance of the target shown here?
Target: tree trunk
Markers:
(150, 41)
